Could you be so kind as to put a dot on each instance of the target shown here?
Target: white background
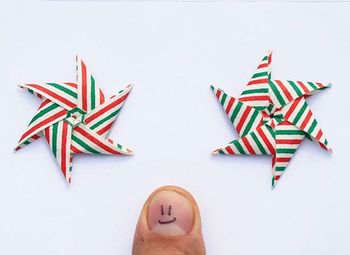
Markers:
(172, 52)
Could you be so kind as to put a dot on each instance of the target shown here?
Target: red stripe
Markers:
(306, 120)
(83, 86)
(102, 97)
(254, 98)
(229, 150)
(44, 122)
(285, 90)
(324, 147)
(218, 93)
(292, 108)
(319, 84)
(104, 129)
(285, 123)
(303, 87)
(277, 177)
(71, 84)
(319, 134)
(106, 108)
(96, 141)
(253, 82)
(45, 102)
(74, 149)
(288, 141)
(266, 140)
(47, 134)
(269, 58)
(52, 94)
(282, 159)
(63, 148)
(247, 144)
(263, 65)
(229, 105)
(242, 119)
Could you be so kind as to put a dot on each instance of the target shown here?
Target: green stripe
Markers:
(256, 75)
(119, 146)
(221, 151)
(250, 123)
(43, 112)
(277, 93)
(286, 150)
(273, 134)
(300, 113)
(223, 99)
(235, 111)
(312, 127)
(255, 91)
(325, 142)
(265, 58)
(93, 88)
(259, 108)
(54, 139)
(84, 145)
(239, 146)
(258, 143)
(63, 89)
(105, 119)
(296, 88)
(279, 168)
(289, 132)
(312, 85)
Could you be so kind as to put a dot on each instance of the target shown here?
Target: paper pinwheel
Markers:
(272, 117)
(74, 118)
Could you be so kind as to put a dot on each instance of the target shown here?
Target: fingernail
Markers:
(170, 213)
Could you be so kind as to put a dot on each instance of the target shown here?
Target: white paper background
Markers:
(172, 52)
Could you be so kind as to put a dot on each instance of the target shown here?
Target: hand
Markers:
(169, 224)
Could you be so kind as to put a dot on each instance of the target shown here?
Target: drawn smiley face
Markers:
(166, 217)
(170, 213)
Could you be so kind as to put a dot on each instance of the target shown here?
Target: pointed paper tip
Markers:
(215, 152)
(129, 152)
(212, 87)
(78, 60)
(329, 85)
(129, 87)
(68, 181)
(274, 183)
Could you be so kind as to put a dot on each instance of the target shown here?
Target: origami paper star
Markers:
(272, 117)
(74, 118)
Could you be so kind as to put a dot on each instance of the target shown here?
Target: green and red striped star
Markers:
(272, 117)
(74, 117)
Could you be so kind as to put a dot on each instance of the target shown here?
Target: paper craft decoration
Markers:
(272, 117)
(74, 118)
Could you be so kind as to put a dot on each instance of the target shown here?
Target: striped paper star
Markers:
(272, 117)
(74, 117)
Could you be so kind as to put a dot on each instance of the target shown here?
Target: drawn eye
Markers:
(169, 210)
(162, 209)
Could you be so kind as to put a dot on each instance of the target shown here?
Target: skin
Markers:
(148, 243)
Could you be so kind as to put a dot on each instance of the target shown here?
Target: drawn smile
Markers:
(167, 222)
